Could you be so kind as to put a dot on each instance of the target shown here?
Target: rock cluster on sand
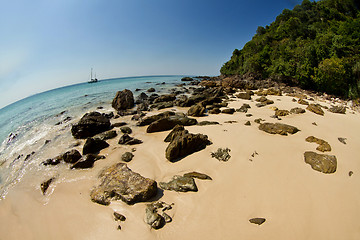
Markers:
(221, 154)
(156, 216)
(278, 128)
(321, 162)
(89, 125)
(118, 182)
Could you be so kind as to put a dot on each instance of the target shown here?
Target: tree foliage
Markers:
(316, 45)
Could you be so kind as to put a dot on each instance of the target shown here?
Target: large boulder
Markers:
(197, 110)
(177, 131)
(321, 162)
(186, 144)
(180, 184)
(169, 123)
(123, 100)
(89, 125)
(94, 145)
(118, 182)
(278, 128)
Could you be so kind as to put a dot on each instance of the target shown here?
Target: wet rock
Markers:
(127, 157)
(106, 135)
(141, 98)
(221, 154)
(197, 110)
(169, 123)
(184, 145)
(338, 109)
(150, 119)
(206, 123)
(303, 102)
(187, 79)
(45, 185)
(150, 90)
(94, 145)
(86, 161)
(278, 128)
(281, 113)
(71, 156)
(244, 95)
(119, 217)
(228, 111)
(109, 115)
(119, 124)
(155, 214)
(118, 182)
(342, 140)
(123, 100)
(315, 109)
(257, 221)
(177, 131)
(297, 110)
(127, 140)
(90, 125)
(248, 123)
(321, 162)
(197, 175)
(126, 130)
(324, 146)
(144, 106)
(180, 184)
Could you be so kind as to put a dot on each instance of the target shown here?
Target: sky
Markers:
(46, 44)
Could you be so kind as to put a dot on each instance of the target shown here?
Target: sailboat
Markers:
(92, 80)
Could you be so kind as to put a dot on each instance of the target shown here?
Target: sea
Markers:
(32, 128)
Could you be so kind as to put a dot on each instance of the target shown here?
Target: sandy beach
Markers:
(266, 177)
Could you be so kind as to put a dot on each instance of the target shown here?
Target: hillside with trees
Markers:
(316, 46)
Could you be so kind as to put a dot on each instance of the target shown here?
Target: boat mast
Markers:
(91, 75)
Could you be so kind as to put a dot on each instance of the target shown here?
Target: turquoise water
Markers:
(33, 120)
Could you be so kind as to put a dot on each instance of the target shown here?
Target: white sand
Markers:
(297, 201)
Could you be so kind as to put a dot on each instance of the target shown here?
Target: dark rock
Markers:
(282, 113)
(303, 102)
(297, 110)
(127, 157)
(321, 162)
(127, 140)
(244, 95)
(47, 141)
(324, 146)
(257, 221)
(351, 173)
(342, 140)
(228, 111)
(244, 108)
(86, 161)
(165, 98)
(28, 156)
(249, 115)
(177, 131)
(119, 124)
(150, 119)
(118, 182)
(94, 145)
(90, 125)
(278, 128)
(247, 123)
(169, 123)
(106, 135)
(197, 110)
(45, 185)
(180, 184)
(197, 175)
(141, 98)
(67, 119)
(185, 145)
(258, 120)
(215, 111)
(187, 79)
(221, 154)
(119, 217)
(264, 101)
(338, 109)
(71, 156)
(108, 115)
(206, 123)
(155, 214)
(315, 109)
(126, 130)
(53, 161)
(144, 106)
(151, 90)
(162, 105)
(123, 100)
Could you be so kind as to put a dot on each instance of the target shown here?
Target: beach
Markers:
(265, 177)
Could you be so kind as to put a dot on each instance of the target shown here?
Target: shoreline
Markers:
(276, 184)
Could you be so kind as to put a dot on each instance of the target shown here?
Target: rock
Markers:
(90, 125)
(169, 123)
(281, 113)
(127, 157)
(244, 95)
(165, 98)
(155, 214)
(141, 98)
(244, 108)
(338, 109)
(248, 123)
(186, 144)
(71, 156)
(151, 90)
(118, 182)
(297, 110)
(119, 124)
(123, 100)
(197, 175)
(221, 154)
(264, 101)
(351, 173)
(248, 115)
(303, 102)
(150, 119)
(324, 146)
(86, 161)
(126, 130)
(119, 217)
(180, 184)
(215, 111)
(53, 161)
(187, 79)
(45, 185)
(177, 131)
(258, 120)
(257, 221)
(106, 135)
(197, 110)
(94, 145)
(278, 128)
(228, 111)
(206, 123)
(127, 140)
(342, 140)
(144, 106)
(162, 105)
(108, 115)
(315, 109)
(321, 162)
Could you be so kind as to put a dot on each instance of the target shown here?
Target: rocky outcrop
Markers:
(127, 140)
(221, 154)
(338, 109)
(197, 110)
(90, 125)
(315, 108)
(155, 214)
(94, 145)
(180, 184)
(324, 146)
(118, 182)
(168, 123)
(123, 100)
(321, 162)
(184, 145)
(278, 128)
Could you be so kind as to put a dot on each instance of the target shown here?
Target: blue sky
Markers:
(45, 44)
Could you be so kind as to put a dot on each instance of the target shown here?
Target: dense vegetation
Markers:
(316, 45)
